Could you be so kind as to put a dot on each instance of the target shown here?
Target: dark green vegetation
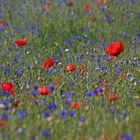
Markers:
(67, 35)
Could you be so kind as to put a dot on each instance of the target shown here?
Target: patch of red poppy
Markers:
(112, 98)
(16, 104)
(86, 8)
(20, 42)
(93, 20)
(100, 2)
(109, 0)
(70, 68)
(83, 68)
(47, 5)
(2, 23)
(115, 49)
(9, 87)
(2, 123)
(48, 63)
(75, 105)
(70, 4)
(43, 91)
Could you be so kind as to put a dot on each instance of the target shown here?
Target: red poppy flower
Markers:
(112, 98)
(83, 68)
(86, 7)
(48, 63)
(9, 87)
(16, 104)
(93, 20)
(70, 68)
(115, 49)
(44, 91)
(75, 105)
(21, 42)
(47, 5)
(2, 123)
(69, 4)
(2, 23)
(100, 2)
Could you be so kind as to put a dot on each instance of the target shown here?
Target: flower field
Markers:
(69, 69)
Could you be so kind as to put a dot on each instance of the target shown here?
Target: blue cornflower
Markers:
(125, 35)
(100, 30)
(127, 137)
(35, 87)
(5, 116)
(26, 21)
(68, 102)
(36, 102)
(103, 9)
(100, 81)
(102, 67)
(7, 71)
(63, 114)
(115, 65)
(23, 36)
(138, 104)
(76, 37)
(18, 72)
(9, 49)
(100, 89)
(21, 114)
(6, 108)
(90, 93)
(112, 110)
(13, 63)
(16, 58)
(35, 93)
(78, 60)
(84, 36)
(23, 85)
(2, 67)
(5, 55)
(12, 35)
(129, 77)
(72, 113)
(119, 117)
(69, 59)
(132, 1)
(21, 63)
(11, 99)
(20, 130)
(69, 94)
(46, 114)
(51, 87)
(50, 71)
(107, 17)
(125, 114)
(138, 82)
(5, 92)
(101, 104)
(52, 106)
(45, 133)
(95, 91)
(81, 119)
(5, 102)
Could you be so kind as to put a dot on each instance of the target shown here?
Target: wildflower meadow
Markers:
(70, 69)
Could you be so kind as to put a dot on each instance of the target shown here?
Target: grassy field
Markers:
(78, 105)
